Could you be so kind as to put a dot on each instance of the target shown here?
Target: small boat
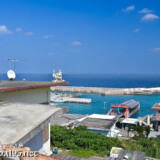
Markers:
(58, 100)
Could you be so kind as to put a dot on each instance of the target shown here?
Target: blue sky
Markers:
(81, 36)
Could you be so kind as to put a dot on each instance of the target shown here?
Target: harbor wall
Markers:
(108, 91)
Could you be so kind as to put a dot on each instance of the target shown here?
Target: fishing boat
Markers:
(58, 100)
(126, 109)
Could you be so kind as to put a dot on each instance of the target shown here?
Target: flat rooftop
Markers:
(8, 86)
(102, 116)
(19, 122)
(130, 121)
(132, 155)
(156, 107)
(97, 123)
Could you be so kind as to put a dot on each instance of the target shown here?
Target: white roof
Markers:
(130, 121)
(101, 116)
(115, 150)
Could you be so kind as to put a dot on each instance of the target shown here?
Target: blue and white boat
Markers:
(58, 100)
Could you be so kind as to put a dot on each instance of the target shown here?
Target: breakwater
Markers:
(108, 91)
(77, 100)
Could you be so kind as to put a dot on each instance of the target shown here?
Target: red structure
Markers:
(129, 107)
(156, 117)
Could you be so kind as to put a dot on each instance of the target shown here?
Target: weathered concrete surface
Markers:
(66, 119)
(36, 96)
(26, 92)
(8, 86)
(108, 91)
(19, 122)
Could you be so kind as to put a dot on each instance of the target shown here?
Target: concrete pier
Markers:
(73, 95)
(77, 100)
(108, 91)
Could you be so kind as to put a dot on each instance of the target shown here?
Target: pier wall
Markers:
(108, 91)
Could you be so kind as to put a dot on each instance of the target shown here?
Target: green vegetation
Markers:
(79, 139)
(84, 143)
(80, 153)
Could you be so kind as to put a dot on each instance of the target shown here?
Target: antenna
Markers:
(11, 73)
(14, 61)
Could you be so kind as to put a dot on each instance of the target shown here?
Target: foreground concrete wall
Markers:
(36, 143)
(39, 95)
(47, 144)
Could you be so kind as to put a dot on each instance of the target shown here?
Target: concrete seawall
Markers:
(77, 100)
(108, 91)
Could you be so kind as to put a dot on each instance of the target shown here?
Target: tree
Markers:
(140, 130)
(129, 129)
(148, 130)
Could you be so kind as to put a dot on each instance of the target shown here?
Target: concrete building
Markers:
(27, 91)
(131, 155)
(27, 125)
(129, 121)
(101, 124)
(156, 117)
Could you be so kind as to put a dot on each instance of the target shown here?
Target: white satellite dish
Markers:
(11, 75)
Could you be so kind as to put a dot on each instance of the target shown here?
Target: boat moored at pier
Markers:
(127, 109)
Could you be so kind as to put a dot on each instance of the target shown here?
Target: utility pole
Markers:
(104, 107)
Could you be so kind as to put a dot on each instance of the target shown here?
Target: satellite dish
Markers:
(11, 75)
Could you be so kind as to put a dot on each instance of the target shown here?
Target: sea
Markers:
(103, 80)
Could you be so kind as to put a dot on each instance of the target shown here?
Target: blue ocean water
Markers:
(113, 81)
(96, 80)
(97, 105)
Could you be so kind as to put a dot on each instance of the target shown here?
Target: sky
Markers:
(81, 36)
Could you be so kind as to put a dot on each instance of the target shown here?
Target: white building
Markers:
(101, 124)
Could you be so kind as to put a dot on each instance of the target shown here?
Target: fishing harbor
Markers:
(68, 98)
(115, 112)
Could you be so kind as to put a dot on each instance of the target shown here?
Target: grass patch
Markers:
(80, 153)
(85, 154)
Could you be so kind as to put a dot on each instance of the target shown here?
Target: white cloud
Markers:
(18, 29)
(4, 30)
(47, 36)
(156, 50)
(149, 16)
(136, 30)
(29, 33)
(76, 43)
(129, 8)
(146, 10)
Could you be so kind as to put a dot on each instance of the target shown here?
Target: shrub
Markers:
(81, 141)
